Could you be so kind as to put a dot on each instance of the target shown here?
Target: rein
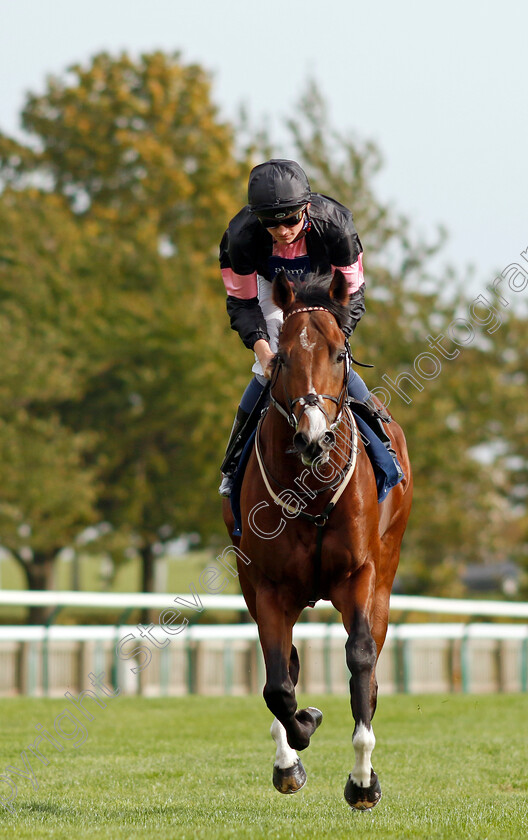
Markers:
(319, 519)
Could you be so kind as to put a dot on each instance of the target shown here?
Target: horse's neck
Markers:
(276, 435)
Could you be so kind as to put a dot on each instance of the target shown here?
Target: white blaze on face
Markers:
(316, 423)
(316, 420)
(303, 338)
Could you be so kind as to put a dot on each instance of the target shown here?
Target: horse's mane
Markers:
(314, 292)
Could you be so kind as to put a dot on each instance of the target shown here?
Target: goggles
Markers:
(288, 221)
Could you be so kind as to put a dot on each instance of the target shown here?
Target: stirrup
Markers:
(399, 470)
(368, 410)
(226, 486)
(387, 443)
(378, 411)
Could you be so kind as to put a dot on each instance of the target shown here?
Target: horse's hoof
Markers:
(310, 719)
(362, 798)
(317, 716)
(289, 779)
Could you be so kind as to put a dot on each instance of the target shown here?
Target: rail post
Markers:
(524, 663)
(465, 664)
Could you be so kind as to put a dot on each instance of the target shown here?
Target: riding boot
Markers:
(233, 452)
(381, 416)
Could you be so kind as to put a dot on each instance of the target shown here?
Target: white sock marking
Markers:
(285, 756)
(363, 742)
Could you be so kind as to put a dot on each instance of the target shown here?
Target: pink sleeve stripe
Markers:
(240, 285)
(353, 274)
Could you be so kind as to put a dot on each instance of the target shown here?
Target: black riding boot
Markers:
(243, 427)
(233, 452)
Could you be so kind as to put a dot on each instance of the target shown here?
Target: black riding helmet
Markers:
(278, 188)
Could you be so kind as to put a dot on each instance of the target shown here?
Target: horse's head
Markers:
(310, 382)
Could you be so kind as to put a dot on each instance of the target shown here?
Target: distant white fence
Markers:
(226, 659)
(141, 600)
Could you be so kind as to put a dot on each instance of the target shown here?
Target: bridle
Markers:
(312, 399)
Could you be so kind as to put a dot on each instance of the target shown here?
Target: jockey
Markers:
(285, 227)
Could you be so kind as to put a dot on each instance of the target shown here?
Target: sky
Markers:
(441, 88)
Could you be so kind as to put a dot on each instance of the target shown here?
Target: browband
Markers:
(324, 309)
(307, 309)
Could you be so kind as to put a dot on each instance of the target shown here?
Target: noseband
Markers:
(312, 399)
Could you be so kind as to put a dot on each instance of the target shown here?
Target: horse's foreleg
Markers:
(294, 727)
(289, 775)
(362, 789)
(279, 694)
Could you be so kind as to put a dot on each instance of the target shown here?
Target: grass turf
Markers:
(450, 767)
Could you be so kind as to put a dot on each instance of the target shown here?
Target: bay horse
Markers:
(312, 527)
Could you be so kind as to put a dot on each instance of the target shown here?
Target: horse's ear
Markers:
(338, 290)
(282, 292)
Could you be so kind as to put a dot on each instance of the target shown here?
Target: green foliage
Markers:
(508, 426)
(112, 305)
(120, 374)
(135, 142)
(456, 495)
(49, 489)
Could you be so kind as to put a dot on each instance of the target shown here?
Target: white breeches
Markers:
(273, 316)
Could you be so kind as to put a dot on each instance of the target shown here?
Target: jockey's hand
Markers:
(265, 355)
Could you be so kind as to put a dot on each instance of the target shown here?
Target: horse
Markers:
(312, 527)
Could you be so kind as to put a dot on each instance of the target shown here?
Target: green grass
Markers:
(450, 767)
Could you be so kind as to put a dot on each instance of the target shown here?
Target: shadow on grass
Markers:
(25, 809)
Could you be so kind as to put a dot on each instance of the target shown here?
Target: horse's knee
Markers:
(280, 698)
(361, 652)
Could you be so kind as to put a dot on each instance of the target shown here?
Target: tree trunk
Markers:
(148, 615)
(40, 576)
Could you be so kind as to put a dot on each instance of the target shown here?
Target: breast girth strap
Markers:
(319, 519)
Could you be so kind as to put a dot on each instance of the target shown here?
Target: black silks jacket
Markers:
(246, 247)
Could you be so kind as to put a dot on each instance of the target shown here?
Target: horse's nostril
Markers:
(300, 441)
(329, 439)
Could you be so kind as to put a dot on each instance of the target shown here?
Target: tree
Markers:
(452, 409)
(508, 456)
(159, 409)
(137, 144)
(121, 370)
(150, 177)
(48, 489)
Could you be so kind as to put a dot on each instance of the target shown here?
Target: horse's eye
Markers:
(341, 356)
